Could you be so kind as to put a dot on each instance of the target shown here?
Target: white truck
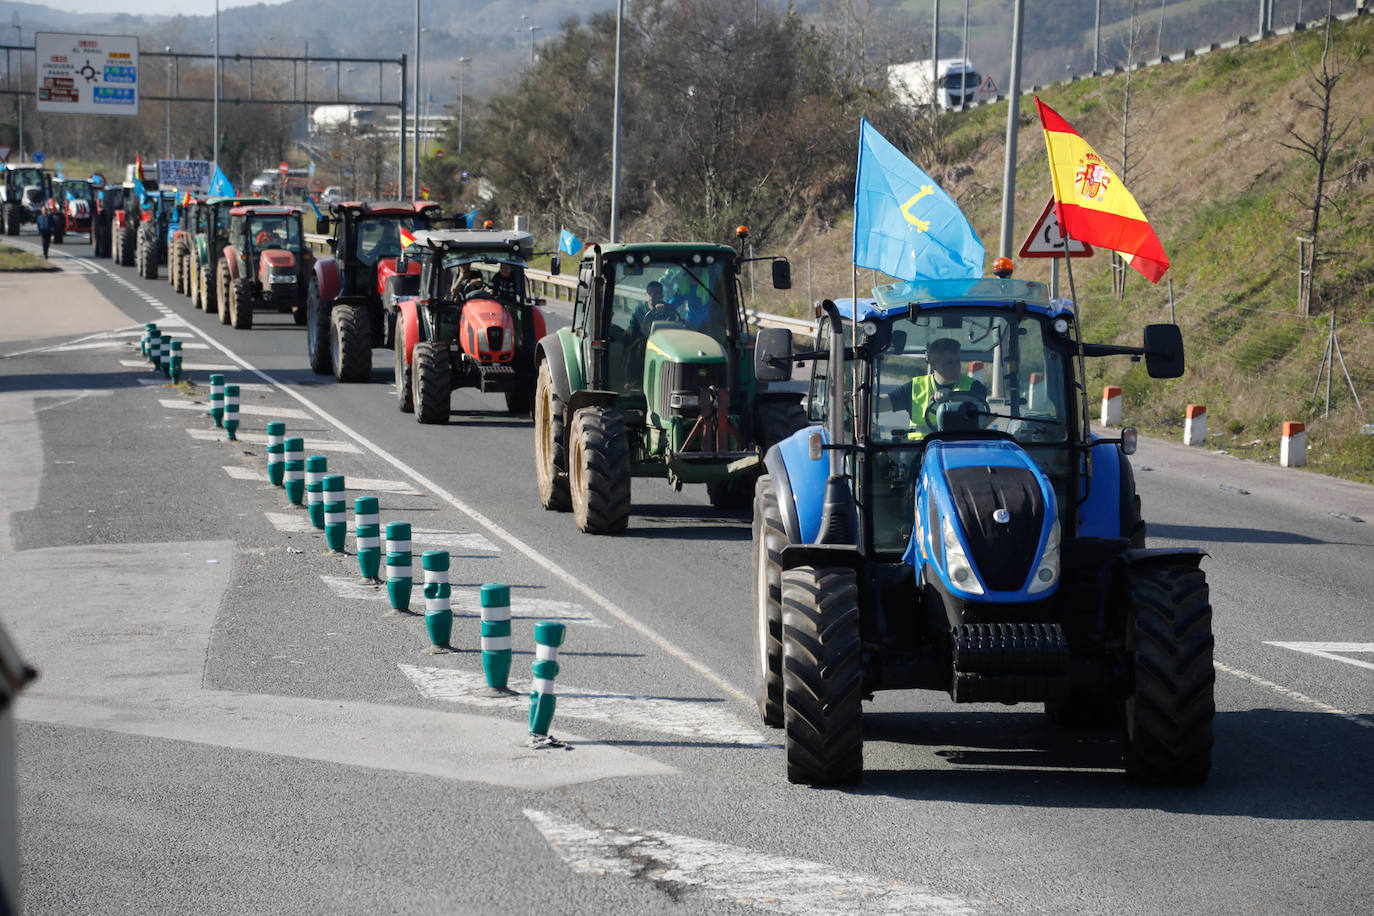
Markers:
(951, 83)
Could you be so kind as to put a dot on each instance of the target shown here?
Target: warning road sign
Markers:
(1045, 241)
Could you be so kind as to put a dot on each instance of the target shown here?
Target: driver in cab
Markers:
(941, 382)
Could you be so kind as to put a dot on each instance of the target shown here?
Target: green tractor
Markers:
(210, 228)
(654, 379)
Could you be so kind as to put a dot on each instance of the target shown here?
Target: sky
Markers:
(150, 7)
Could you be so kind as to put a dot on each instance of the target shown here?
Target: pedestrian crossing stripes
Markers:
(466, 603)
(460, 543)
(311, 445)
(355, 484)
(185, 367)
(258, 410)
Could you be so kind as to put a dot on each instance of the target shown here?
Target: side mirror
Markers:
(322, 225)
(782, 274)
(1163, 350)
(772, 355)
(554, 266)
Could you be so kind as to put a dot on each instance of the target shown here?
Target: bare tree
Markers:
(1319, 145)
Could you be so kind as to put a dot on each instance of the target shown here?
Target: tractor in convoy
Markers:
(654, 379)
(208, 224)
(124, 222)
(345, 319)
(109, 201)
(459, 331)
(76, 200)
(264, 264)
(945, 531)
(179, 239)
(23, 194)
(159, 211)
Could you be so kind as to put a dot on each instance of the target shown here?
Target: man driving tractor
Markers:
(942, 380)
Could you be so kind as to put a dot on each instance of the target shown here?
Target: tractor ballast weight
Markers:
(454, 334)
(267, 263)
(958, 527)
(345, 317)
(654, 379)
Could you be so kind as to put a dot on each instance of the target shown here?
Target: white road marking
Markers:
(354, 588)
(239, 472)
(1332, 650)
(775, 884)
(257, 410)
(704, 721)
(288, 523)
(185, 366)
(1303, 698)
(468, 603)
(311, 445)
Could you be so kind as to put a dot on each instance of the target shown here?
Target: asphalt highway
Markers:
(228, 719)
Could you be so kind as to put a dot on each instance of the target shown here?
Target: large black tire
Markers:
(174, 271)
(147, 243)
(599, 471)
(550, 444)
(128, 240)
(114, 246)
(405, 398)
(317, 331)
(432, 382)
(769, 540)
(193, 284)
(222, 292)
(1169, 712)
(822, 697)
(241, 304)
(350, 344)
(13, 217)
(1136, 530)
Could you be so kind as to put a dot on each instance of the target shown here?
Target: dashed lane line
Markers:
(1294, 695)
(1334, 651)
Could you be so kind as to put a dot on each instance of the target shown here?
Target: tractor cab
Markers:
(369, 238)
(24, 193)
(267, 253)
(76, 197)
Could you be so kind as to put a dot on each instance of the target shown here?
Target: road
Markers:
(229, 720)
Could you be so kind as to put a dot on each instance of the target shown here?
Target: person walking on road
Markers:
(45, 229)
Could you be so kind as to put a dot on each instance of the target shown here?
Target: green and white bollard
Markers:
(276, 453)
(398, 574)
(231, 411)
(293, 477)
(496, 635)
(164, 356)
(548, 636)
(217, 399)
(438, 612)
(315, 468)
(367, 536)
(335, 512)
(149, 329)
(174, 363)
(155, 350)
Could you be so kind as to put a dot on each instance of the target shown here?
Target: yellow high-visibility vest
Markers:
(922, 390)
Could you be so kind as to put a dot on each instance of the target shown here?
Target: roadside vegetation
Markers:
(13, 259)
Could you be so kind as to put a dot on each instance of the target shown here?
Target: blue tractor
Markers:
(952, 523)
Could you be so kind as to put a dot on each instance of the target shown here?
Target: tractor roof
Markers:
(388, 207)
(513, 245)
(21, 165)
(984, 292)
(236, 201)
(259, 210)
(666, 250)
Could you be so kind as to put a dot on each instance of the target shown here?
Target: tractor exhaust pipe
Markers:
(839, 516)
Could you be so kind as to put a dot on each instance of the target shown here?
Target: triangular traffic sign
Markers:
(1045, 241)
(988, 87)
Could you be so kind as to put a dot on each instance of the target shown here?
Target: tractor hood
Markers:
(386, 268)
(487, 334)
(986, 521)
(678, 345)
(275, 260)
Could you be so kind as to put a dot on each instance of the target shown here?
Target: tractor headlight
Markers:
(1047, 572)
(957, 564)
(684, 400)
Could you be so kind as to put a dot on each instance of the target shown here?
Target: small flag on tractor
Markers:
(569, 243)
(138, 167)
(407, 238)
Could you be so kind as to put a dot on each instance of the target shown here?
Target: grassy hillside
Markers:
(1227, 200)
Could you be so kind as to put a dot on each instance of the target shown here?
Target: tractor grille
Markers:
(1003, 551)
(690, 378)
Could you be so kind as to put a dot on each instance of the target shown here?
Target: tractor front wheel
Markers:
(127, 242)
(769, 540)
(194, 286)
(350, 343)
(599, 471)
(550, 444)
(317, 331)
(432, 382)
(241, 304)
(405, 398)
(822, 697)
(223, 292)
(1169, 712)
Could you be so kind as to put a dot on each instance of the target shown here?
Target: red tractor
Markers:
(264, 264)
(76, 198)
(470, 324)
(345, 318)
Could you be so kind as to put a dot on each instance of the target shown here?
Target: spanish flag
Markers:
(407, 238)
(138, 166)
(1092, 205)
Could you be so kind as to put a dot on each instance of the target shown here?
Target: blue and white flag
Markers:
(220, 185)
(314, 206)
(141, 192)
(569, 242)
(904, 225)
(471, 217)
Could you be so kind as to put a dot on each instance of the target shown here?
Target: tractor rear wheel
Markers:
(193, 284)
(822, 696)
(350, 343)
(13, 217)
(769, 540)
(174, 271)
(1169, 713)
(599, 471)
(405, 398)
(241, 305)
(550, 444)
(223, 292)
(432, 382)
(128, 239)
(317, 330)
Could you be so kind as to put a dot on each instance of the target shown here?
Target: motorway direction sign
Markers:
(87, 74)
(1045, 241)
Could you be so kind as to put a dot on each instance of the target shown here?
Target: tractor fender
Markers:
(1108, 509)
(408, 324)
(327, 276)
(800, 484)
(555, 349)
(820, 555)
(232, 257)
(540, 327)
(1139, 557)
(386, 269)
(590, 397)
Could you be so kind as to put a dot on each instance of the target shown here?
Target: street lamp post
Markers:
(216, 124)
(19, 99)
(415, 148)
(533, 29)
(168, 103)
(461, 61)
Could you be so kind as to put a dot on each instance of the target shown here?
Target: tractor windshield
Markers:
(692, 293)
(78, 190)
(374, 239)
(25, 178)
(275, 231)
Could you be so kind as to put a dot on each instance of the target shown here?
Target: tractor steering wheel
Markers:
(955, 397)
(660, 312)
